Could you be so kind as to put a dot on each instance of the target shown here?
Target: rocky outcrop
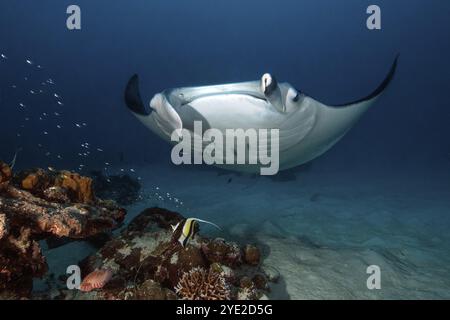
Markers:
(39, 204)
(148, 262)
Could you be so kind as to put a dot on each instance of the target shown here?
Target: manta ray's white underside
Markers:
(307, 127)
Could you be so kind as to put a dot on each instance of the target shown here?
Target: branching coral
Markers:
(202, 284)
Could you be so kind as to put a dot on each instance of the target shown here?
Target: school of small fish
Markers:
(50, 121)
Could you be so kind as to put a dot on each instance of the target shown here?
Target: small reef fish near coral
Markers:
(96, 280)
(188, 229)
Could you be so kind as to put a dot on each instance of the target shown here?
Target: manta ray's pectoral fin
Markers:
(133, 98)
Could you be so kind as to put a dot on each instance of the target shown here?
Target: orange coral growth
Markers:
(80, 187)
(5, 172)
(30, 181)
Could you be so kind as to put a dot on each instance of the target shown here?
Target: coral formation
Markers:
(39, 204)
(202, 284)
(252, 255)
(75, 187)
(143, 261)
(148, 262)
(219, 250)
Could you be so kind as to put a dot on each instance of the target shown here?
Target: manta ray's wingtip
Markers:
(380, 89)
(133, 98)
(387, 80)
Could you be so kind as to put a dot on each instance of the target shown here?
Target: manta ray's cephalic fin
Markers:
(133, 98)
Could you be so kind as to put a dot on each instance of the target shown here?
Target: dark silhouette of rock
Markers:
(121, 188)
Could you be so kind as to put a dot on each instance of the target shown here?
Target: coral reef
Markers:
(219, 250)
(121, 188)
(39, 204)
(147, 262)
(202, 284)
(143, 261)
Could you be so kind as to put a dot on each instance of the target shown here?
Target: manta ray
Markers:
(307, 127)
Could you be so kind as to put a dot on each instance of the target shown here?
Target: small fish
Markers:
(99, 150)
(188, 229)
(77, 125)
(132, 170)
(229, 180)
(39, 66)
(3, 56)
(29, 61)
(13, 162)
(56, 95)
(32, 92)
(22, 105)
(51, 169)
(60, 103)
(58, 126)
(96, 280)
(14, 86)
(56, 114)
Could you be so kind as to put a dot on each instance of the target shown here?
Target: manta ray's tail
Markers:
(133, 98)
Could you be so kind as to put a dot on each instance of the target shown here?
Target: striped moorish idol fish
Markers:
(188, 229)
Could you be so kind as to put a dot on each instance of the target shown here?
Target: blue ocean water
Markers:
(381, 194)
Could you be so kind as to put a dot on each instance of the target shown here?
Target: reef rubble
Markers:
(40, 204)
